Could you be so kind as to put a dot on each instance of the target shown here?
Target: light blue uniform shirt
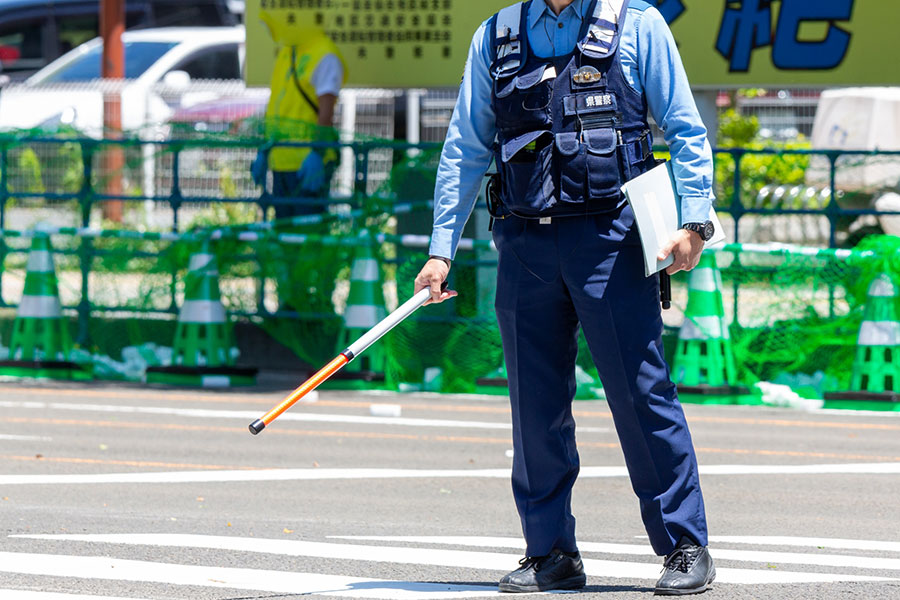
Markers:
(651, 64)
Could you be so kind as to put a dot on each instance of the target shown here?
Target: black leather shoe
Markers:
(688, 569)
(556, 571)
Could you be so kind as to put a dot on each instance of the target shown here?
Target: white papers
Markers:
(657, 212)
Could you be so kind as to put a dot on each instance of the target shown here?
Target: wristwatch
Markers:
(705, 230)
(443, 258)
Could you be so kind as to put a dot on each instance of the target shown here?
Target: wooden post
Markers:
(112, 24)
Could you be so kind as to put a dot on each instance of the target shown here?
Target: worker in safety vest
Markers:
(558, 93)
(307, 77)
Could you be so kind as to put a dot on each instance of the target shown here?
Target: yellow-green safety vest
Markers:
(292, 112)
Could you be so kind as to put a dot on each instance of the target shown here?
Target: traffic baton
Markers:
(665, 289)
(354, 350)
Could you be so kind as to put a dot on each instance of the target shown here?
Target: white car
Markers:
(159, 67)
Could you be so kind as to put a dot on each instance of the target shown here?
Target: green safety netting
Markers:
(793, 313)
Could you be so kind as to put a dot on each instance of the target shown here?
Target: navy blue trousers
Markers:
(588, 271)
(293, 203)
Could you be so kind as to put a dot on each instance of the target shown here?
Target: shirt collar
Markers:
(540, 7)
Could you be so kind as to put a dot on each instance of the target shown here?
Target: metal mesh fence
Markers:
(436, 110)
(783, 114)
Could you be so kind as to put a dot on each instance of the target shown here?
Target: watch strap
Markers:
(704, 230)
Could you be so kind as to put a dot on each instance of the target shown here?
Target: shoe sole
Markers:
(572, 583)
(676, 592)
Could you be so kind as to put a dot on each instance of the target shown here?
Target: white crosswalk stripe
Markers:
(417, 555)
(809, 542)
(768, 557)
(101, 567)
(8, 594)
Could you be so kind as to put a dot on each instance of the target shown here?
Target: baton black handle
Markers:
(665, 290)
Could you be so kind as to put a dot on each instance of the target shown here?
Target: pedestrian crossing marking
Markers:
(808, 542)
(113, 569)
(8, 594)
(434, 557)
(718, 554)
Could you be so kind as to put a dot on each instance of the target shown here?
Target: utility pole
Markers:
(112, 70)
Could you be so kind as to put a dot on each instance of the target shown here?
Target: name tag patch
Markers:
(598, 100)
(590, 103)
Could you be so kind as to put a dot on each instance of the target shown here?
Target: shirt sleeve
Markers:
(664, 81)
(328, 76)
(468, 150)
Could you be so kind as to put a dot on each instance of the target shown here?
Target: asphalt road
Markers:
(129, 492)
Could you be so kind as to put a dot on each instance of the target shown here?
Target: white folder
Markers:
(657, 212)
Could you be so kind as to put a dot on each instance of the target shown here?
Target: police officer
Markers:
(558, 93)
(307, 77)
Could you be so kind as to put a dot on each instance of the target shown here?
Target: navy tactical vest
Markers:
(570, 129)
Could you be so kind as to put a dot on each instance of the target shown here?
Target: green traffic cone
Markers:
(39, 332)
(876, 367)
(41, 345)
(202, 337)
(704, 360)
(202, 352)
(365, 309)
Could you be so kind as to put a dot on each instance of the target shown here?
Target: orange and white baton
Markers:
(352, 351)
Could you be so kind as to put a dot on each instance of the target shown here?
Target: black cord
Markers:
(296, 79)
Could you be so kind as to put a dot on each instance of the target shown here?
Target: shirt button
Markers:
(560, 25)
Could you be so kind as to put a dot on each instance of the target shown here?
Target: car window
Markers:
(168, 13)
(74, 31)
(21, 45)
(220, 62)
(139, 56)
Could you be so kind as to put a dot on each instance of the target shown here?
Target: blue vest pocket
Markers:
(504, 87)
(522, 102)
(604, 174)
(536, 91)
(571, 167)
(525, 172)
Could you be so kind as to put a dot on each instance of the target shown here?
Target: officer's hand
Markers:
(433, 275)
(259, 167)
(686, 246)
(311, 174)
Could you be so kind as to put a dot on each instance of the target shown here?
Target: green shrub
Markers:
(29, 180)
(757, 170)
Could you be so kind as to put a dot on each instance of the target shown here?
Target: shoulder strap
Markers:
(508, 44)
(312, 104)
(604, 29)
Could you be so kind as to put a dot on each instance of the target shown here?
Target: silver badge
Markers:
(587, 75)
